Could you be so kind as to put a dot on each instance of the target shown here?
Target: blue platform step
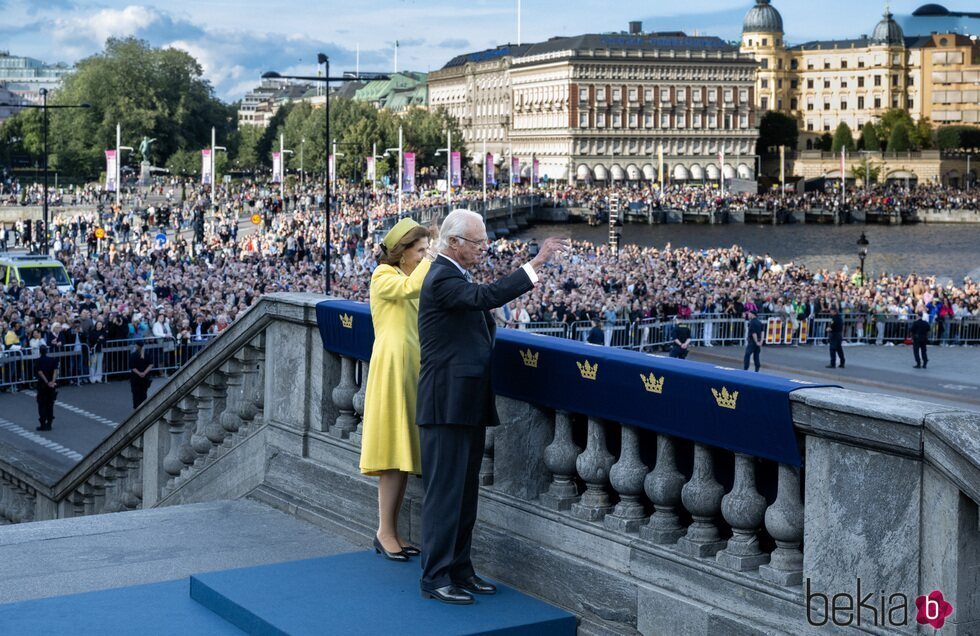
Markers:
(361, 593)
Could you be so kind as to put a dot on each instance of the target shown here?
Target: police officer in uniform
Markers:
(47, 381)
(140, 366)
(836, 337)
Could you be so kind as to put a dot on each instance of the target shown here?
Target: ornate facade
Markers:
(600, 107)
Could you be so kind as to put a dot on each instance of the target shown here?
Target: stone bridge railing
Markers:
(635, 531)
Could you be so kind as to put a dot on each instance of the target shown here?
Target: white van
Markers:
(31, 271)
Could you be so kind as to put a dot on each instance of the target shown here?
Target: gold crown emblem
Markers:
(653, 384)
(587, 370)
(530, 359)
(347, 321)
(725, 399)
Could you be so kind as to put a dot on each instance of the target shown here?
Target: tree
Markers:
(842, 138)
(957, 137)
(151, 92)
(922, 135)
(869, 137)
(776, 129)
(825, 142)
(866, 171)
(899, 139)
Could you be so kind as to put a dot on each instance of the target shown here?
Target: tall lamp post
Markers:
(862, 253)
(449, 168)
(401, 165)
(119, 149)
(326, 79)
(44, 107)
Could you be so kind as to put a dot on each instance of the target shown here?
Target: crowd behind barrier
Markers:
(214, 264)
(84, 364)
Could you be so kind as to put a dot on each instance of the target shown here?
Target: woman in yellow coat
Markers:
(390, 440)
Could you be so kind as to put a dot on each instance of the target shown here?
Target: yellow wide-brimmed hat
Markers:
(398, 232)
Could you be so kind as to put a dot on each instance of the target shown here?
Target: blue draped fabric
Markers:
(742, 411)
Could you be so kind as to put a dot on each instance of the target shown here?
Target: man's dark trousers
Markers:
(45, 406)
(919, 351)
(454, 455)
(836, 349)
(752, 351)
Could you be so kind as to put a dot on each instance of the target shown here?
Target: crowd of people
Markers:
(214, 263)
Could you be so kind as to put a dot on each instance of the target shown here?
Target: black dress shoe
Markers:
(451, 594)
(394, 556)
(831, 366)
(918, 366)
(476, 585)
(411, 551)
(43, 428)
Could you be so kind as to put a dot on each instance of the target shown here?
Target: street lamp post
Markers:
(326, 79)
(449, 168)
(374, 173)
(282, 163)
(302, 173)
(401, 166)
(867, 167)
(214, 164)
(119, 149)
(43, 106)
(333, 180)
(862, 253)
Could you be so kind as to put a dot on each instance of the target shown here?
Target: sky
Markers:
(237, 40)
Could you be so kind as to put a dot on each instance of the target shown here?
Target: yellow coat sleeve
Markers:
(388, 283)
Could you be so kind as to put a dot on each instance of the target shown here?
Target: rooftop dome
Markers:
(762, 18)
(888, 32)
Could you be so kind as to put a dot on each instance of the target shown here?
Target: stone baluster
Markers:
(188, 406)
(133, 493)
(626, 477)
(6, 497)
(77, 500)
(25, 505)
(247, 409)
(88, 498)
(343, 398)
(259, 395)
(204, 395)
(114, 474)
(784, 522)
(234, 381)
(97, 485)
(702, 498)
(559, 457)
(593, 467)
(214, 430)
(486, 464)
(743, 509)
(663, 487)
(358, 402)
(171, 461)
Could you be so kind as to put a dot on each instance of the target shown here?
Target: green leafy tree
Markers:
(866, 171)
(869, 137)
(957, 137)
(777, 129)
(825, 142)
(922, 135)
(842, 138)
(899, 140)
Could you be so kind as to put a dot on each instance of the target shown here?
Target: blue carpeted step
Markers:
(149, 610)
(362, 593)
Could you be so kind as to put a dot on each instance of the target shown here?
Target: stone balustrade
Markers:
(634, 530)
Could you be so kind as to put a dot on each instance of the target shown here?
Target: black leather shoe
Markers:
(831, 366)
(451, 594)
(476, 585)
(394, 556)
(918, 366)
(411, 551)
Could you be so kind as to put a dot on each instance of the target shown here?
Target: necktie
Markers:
(469, 278)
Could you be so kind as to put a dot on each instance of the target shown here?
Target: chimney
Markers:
(636, 28)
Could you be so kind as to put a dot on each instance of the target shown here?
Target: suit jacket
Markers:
(456, 333)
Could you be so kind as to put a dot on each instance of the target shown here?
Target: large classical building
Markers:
(603, 106)
(25, 76)
(824, 83)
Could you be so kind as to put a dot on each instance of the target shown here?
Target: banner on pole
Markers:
(332, 162)
(456, 163)
(110, 171)
(488, 169)
(206, 166)
(277, 167)
(371, 169)
(515, 170)
(534, 172)
(408, 174)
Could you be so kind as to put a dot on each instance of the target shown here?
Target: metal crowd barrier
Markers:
(79, 364)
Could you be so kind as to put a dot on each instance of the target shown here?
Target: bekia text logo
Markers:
(863, 607)
(933, 609)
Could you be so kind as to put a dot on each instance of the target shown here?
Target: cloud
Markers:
(454, 43)
(411, 42)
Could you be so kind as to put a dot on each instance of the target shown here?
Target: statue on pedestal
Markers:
(145, 164)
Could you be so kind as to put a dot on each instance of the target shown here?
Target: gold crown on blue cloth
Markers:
(347, 321)
(398, 232)
(725, 399)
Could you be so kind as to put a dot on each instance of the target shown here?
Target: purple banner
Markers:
(456, 165)
(206, 166)
(110, 170)
(408, 176)
(515, 170)
(277, 167)
(371, 169)
(534, 172)
(488, 169)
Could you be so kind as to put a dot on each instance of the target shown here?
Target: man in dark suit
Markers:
(455, 398)
(920, 338)
(835, 334)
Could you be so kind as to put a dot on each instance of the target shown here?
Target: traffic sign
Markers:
(99, 233)
(256, 219)
(161, 238)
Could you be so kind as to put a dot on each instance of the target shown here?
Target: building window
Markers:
(793, 65)
(765, 41)
(860, 62)
(910, 81)
(877, 80)
(728, 95)
(794, 84)
(743, 96)
(617, 120)
(826, 64)
(633, 120)
(648, 94)
(779, 104)
(860, 102)
(843, 83)
(681, 95)
(894, 80)
(877, 102)
(712, 120)
(861, 82)
(583, 120)
(648, 120)
(809, 126)
(616, 94)
(664, 95)
(826, 105)
(911, 103)
(743, 121)
(712, 95)
(633, 94)
(843, 63)
(826, 83)
(809, 83)
(779, 63)
(809, 66)
(681, 120)
(696, 96)
(809, 105)
(765, 83)
(792, 103)
(764, 104)
(664, 120)
(696, 120)
(765, 62)
(600, 94)
(779, 83)
(843, 105)
(826, 127)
